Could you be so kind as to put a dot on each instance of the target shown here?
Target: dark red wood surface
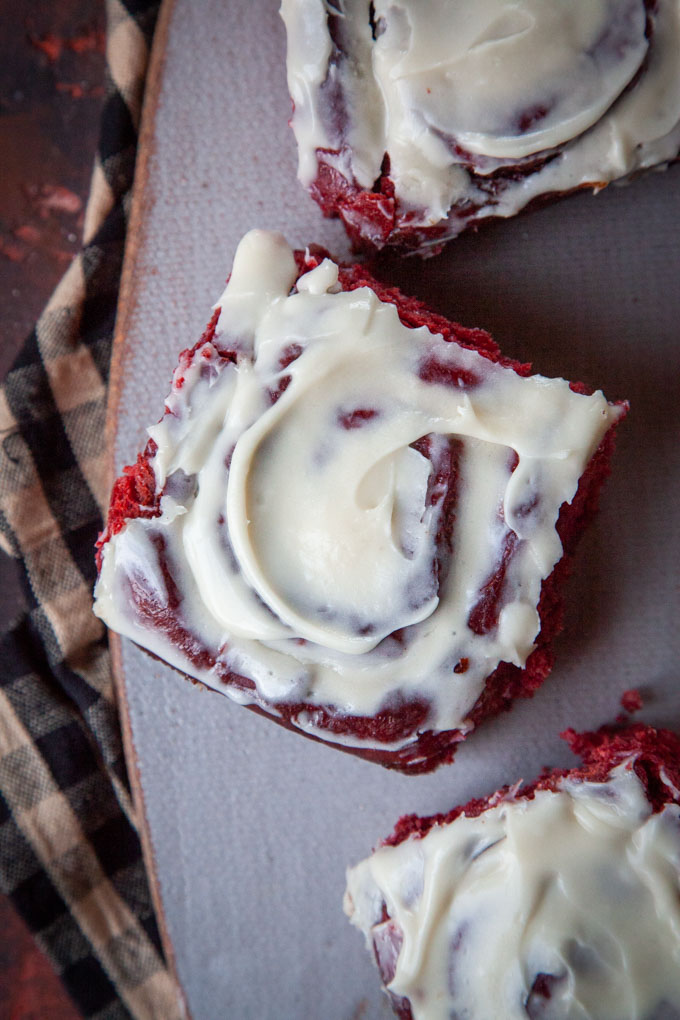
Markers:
(51, 93)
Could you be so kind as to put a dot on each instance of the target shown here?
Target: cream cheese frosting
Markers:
(574, 893)
(572, 94)
(302, 506)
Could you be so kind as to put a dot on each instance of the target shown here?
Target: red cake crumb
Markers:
(631, 701)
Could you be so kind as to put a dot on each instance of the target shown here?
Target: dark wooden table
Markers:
(51, 94)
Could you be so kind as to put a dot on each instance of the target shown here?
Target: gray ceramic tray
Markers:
(249, 828)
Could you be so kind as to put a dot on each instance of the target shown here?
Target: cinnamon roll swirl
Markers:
(415, 120)
(352, 512)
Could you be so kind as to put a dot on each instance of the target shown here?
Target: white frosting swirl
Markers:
(578, 889)
(507, 79)
(446, 86)
(311, 537)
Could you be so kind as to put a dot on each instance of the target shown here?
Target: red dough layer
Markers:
(134, 495)
(134, 492)
(376, 219)
(656, 751)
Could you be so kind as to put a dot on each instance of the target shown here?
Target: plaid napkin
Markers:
(70, 856)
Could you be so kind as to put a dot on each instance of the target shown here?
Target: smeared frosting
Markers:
(572, 94)
(339, 498)
(564, 907)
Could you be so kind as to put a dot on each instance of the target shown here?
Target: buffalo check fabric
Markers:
(70, 855)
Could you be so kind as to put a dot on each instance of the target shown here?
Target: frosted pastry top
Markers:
(447, 87)
(351, 510)
(562, 907)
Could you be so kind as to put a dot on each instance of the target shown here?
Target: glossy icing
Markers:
(339, 498)
(570, 94)
(562, 907)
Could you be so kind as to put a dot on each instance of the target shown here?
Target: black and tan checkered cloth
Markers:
(70, 856)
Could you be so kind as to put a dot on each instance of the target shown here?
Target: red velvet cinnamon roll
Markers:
(354, 515)
(415, 120)
(556, 900)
